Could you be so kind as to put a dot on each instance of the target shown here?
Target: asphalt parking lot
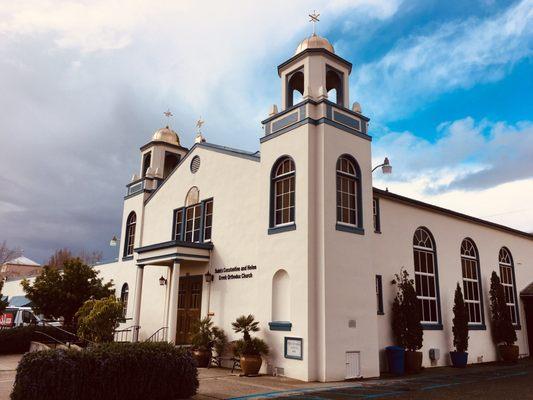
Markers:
(482, 381)
(477, 382)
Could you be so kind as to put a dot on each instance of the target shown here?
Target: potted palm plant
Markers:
(249, 350)
(206, 336)
(459, 357)
(503, 331)
(406, 325)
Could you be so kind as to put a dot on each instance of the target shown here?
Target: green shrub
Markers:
(17, 340)
(98, 319)
(460, 322)
(113, 371)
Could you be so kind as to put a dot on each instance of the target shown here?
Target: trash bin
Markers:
(395, 359)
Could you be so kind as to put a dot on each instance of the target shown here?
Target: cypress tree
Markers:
(460, 322)
(502, 325)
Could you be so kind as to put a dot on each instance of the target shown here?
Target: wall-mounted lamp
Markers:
(386, 168)
(114, 241)
(162, 281)
(209, 277)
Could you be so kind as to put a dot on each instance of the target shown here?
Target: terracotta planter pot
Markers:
(413, 361)
(459, 359)
(508, 353)
(202, 357)
(251, 364)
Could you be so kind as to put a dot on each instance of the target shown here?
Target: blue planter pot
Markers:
(459, 360)
(395, 359)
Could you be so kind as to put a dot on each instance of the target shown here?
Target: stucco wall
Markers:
(393, 249)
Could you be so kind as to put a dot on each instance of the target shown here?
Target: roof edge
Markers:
(441, 210)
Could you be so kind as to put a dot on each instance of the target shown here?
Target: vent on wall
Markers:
(195, 164)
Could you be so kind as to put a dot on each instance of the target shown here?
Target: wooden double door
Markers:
(189, 306)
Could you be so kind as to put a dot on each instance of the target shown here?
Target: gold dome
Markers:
(166, 135)
(314, 42)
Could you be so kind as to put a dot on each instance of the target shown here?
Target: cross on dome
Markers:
(313, 18)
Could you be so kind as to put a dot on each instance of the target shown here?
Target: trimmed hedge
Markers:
(17, 340)
(114, 371)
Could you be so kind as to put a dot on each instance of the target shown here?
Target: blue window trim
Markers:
(182, 211)
(272, 228)
(359, 202)
(280, 229)
(349, 228)
(437, 325)
(280, 326)
(127, 236)
(379, 289)
(432, 327)
(476, 327)
(285, 348)
(377, 228)
(516, 326)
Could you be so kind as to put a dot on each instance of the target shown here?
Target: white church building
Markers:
(297, 235)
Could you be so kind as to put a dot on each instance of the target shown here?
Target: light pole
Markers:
(386, 168)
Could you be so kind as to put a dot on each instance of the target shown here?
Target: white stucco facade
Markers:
(312, 278)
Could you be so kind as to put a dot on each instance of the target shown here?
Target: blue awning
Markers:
(19, 301)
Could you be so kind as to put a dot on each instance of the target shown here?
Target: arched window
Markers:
(295, 83)
(472, 282)
(130, 234)
(426, 276)
(283, 192)
(508, 282)
(349, 210)
(124, 293)
(281, 296)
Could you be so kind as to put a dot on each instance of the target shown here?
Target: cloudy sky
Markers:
(448, 87)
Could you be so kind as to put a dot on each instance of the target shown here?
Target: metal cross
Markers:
(199, 124)
(168, 114)
(314, 19)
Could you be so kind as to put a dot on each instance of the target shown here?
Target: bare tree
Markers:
(60, 256)
(8, 253)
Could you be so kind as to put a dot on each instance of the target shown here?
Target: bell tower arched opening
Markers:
(334, 86)
(295, 85)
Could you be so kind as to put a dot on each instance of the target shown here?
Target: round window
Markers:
(195, 164)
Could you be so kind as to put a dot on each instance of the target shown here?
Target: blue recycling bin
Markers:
(395, 359)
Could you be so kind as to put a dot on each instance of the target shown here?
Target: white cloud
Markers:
(458, 54)
(483, 169)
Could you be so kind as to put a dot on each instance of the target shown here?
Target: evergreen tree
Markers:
(406, 316)
(57, 293)
(460, 322)
(502, 325)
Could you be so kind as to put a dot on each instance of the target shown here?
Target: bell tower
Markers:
(315, 72)
(331, 225)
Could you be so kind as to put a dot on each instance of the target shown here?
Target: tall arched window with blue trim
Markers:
(426, 277)
(472, 283)
(349, 209)
(507, 278)
(129, 241)
(124, 294)
(283, 192)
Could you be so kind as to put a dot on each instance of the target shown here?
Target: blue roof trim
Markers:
(209, 146)
(254, 155)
